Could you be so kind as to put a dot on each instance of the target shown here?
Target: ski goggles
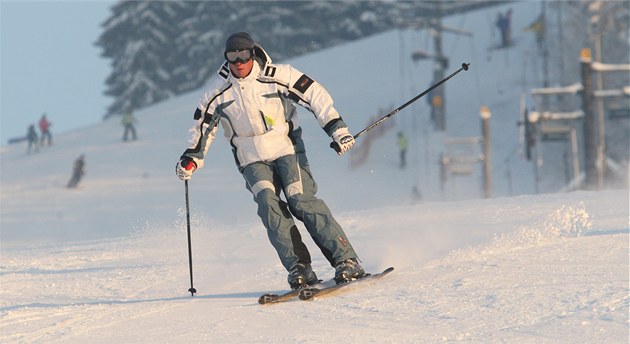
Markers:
(241, 56)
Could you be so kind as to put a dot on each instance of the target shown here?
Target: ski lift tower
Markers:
(436, 10)
(438, 101)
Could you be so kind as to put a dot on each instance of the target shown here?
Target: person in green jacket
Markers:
(128, 121)
(403, 144)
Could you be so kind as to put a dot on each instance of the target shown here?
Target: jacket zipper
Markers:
(262, 116)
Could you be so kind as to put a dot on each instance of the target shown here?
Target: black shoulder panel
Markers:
(303, 83)
(197, 115)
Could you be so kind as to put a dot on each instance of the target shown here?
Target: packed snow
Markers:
(550, 269)
(108, 262)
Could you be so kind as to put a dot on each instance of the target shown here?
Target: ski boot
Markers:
(348, 270)
(301, 275)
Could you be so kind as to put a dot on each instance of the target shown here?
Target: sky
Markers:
(49, 64)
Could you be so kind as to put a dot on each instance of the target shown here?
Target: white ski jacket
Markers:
(257, 112)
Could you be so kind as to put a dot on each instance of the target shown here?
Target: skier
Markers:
(402, 145)
(33, 142)
(44, 128)
(78, 170)
(128, 122)
(253, 99)
(504, 23)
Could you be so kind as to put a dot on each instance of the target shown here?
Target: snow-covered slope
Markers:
(108, 262)
(519, 270)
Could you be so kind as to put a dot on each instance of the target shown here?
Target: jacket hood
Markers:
(261, 55)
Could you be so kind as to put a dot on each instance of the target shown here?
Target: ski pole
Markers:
(192, 289)
(464, 66)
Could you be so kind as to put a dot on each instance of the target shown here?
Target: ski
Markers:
(273, 298)
(276, 298)
(309, 293)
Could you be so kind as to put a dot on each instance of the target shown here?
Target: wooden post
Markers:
(590, 122)
(487, 150)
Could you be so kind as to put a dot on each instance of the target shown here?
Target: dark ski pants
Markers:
(129, 128)
(76, 178)
(265, 180)
(46, 137)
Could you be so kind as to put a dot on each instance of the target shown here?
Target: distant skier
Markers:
(128, 122)
(44, 128)
(416, 195)
(504, 23)
(253, 100)
(33, 139)
(78, 170)
(403, 144)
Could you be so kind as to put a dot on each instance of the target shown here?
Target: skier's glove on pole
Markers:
(343, 140)
(185, 168)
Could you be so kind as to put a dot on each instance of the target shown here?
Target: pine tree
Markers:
(138, 37)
